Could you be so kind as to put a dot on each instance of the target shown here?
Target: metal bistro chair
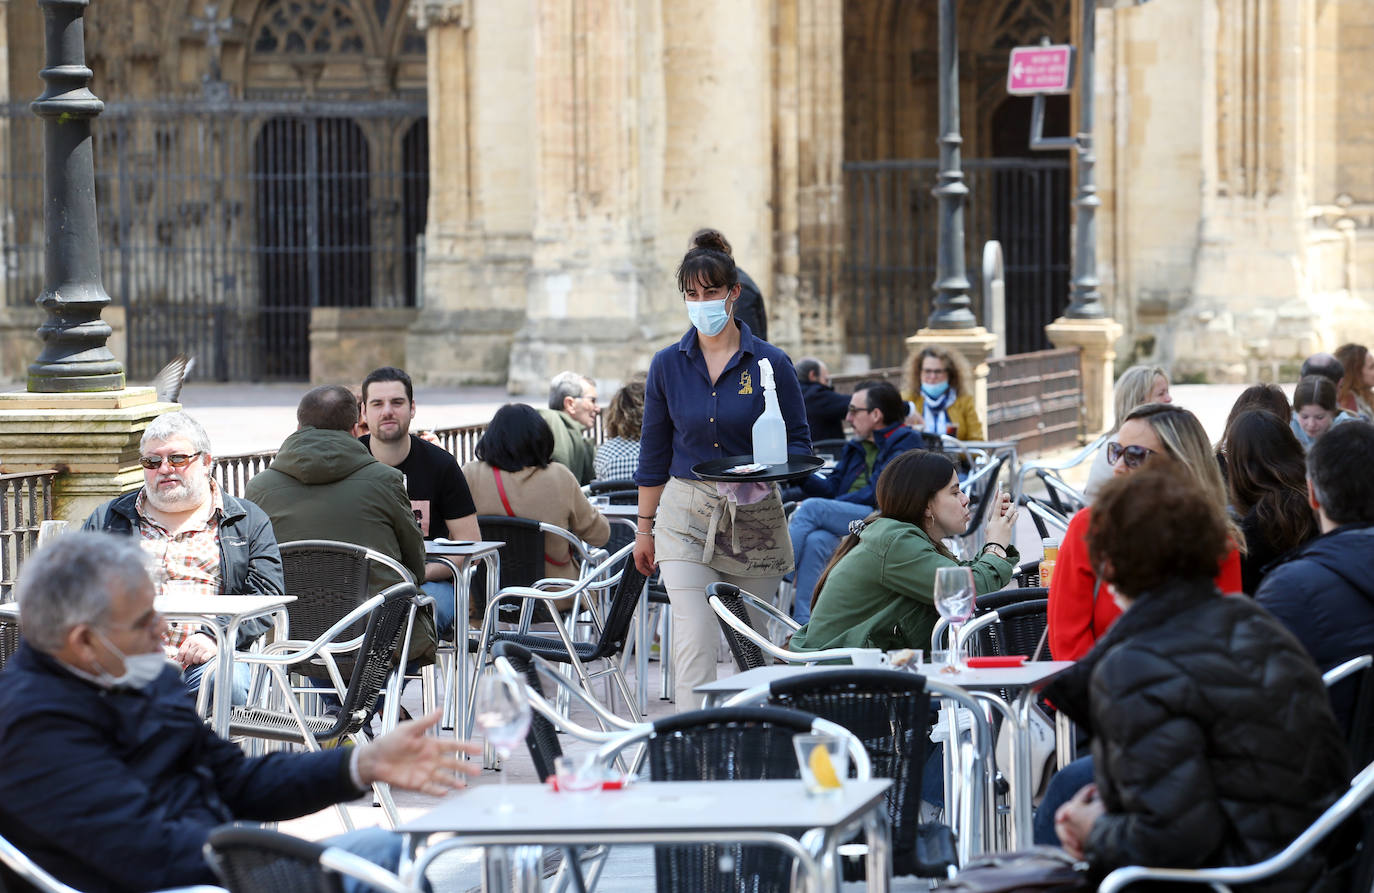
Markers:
(522, 562)
(255, 860)
(1351, 687)
(618, 571)
(889, 711)
(980, 487)
(746, 650)
(386, 615)
(728, 744)
(1340, 821)
(20, 873)
(1014, 628)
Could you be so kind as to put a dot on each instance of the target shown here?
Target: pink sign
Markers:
(1040, 69)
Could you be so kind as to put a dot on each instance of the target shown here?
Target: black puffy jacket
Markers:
(1213, 740)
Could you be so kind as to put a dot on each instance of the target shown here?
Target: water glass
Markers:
(954, 596)
(823, 761)
(576, 776)
(502, 713)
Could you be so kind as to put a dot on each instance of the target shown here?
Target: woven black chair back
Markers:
(889, 710)
(1019, 630)
(253, 860)
(747, 655)
(522, 562)
(725, 744)
(328, 580)
(995, 601)
(621, 613)
(9, 641)
(386, 628)
(542, 738)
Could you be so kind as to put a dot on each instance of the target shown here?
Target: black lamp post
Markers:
(952, 308)
(74, 356)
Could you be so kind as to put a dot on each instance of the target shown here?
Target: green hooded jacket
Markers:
(570, 446)
(881, 594)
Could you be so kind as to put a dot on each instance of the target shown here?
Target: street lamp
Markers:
(952, 308)
(74, 356)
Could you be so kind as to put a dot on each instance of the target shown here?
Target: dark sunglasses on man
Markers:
(1134, 455)
(176, 460)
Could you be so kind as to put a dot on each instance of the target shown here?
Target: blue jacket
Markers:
(1323, 592)
(117, 789)
(249, 560)
(892, 441)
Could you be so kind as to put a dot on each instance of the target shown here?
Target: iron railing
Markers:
(891, 220)
(25, 503)
(223, 224)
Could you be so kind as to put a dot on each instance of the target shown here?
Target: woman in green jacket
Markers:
(878, 590)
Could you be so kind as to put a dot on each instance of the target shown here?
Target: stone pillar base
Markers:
(91, 439)
(1096, 338)
(346, 343)
(975, 345)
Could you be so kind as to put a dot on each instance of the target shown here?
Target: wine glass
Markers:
(503, 715)
(954, 594)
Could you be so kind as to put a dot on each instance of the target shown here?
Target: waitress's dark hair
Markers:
(904, 490)
(516, 438)
(707, 263)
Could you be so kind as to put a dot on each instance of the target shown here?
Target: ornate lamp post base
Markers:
(74, 356)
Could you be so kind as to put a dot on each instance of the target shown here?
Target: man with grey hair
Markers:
(201, 540)
(112, 782)
(571, 414)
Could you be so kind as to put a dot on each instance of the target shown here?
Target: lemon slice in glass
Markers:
(822, 769)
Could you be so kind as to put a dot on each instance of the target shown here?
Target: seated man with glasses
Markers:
(572, 412)
(200, 540)
(877, 413)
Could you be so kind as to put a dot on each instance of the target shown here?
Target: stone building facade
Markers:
(555, 154)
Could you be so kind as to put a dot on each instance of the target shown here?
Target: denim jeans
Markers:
(1063, 785)
(243, 674)
(376, 845)
(816, 528)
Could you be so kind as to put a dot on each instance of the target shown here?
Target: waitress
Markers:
(702, 397)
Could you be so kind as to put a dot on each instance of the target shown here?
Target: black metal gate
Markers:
(893, 224)
(222, 225)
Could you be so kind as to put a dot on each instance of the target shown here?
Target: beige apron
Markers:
(695, 523)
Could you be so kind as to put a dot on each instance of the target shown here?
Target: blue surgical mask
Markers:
(709, 317)
(139, 669)
(935, 391)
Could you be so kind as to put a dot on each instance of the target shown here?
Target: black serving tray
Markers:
(796, 466)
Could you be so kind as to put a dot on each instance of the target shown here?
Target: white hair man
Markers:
(572, 412)
(112, 782)
(201, 540)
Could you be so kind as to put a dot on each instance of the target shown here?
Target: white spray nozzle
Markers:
(766, 374)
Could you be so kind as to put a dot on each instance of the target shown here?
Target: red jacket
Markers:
(1075, 621)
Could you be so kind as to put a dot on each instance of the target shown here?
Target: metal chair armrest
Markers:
(1349, 668)
(1076, 459)
(771, 610)
(782, 654)
(346, 863)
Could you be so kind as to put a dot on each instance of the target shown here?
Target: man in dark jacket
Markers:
(1323, 591)
(201, 539)
(877, 412)
(112, 782)
(324, 484)
(825, 409)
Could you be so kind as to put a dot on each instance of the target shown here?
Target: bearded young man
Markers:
(199, 539)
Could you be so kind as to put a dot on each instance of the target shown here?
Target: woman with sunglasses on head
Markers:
(1079, 611)
(879, 589)
(701, 399)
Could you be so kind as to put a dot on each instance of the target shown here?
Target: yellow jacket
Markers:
(961, 414)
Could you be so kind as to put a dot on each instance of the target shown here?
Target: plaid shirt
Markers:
(187, 559)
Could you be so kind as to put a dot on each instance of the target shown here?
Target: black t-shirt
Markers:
(435, 485)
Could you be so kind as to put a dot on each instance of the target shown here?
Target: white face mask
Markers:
(139, 669)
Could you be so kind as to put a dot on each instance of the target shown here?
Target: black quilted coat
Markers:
(1213, 739)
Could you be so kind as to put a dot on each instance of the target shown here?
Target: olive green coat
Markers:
(881, 594)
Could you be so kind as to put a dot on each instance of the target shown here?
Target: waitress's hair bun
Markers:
(712, 239)
(708, 263)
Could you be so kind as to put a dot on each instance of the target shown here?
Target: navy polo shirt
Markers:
(690, 419)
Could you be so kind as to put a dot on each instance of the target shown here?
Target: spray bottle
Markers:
(770, 431)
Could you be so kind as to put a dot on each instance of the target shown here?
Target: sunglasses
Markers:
(857, 409)
(176, 460)
(1134, 455)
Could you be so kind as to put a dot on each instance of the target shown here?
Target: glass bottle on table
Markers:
(954, 597)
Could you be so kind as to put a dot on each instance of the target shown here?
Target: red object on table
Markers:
(1007, 660)
(614, 784)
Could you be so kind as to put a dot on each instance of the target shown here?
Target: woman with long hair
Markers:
(1267, 482)
(1356, 390)
(1079, 611)
(701, 399)
(618, 456)
(1136, 386)
(878, 590)
(939, 386)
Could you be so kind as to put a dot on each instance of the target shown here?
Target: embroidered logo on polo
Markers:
(746, 382)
